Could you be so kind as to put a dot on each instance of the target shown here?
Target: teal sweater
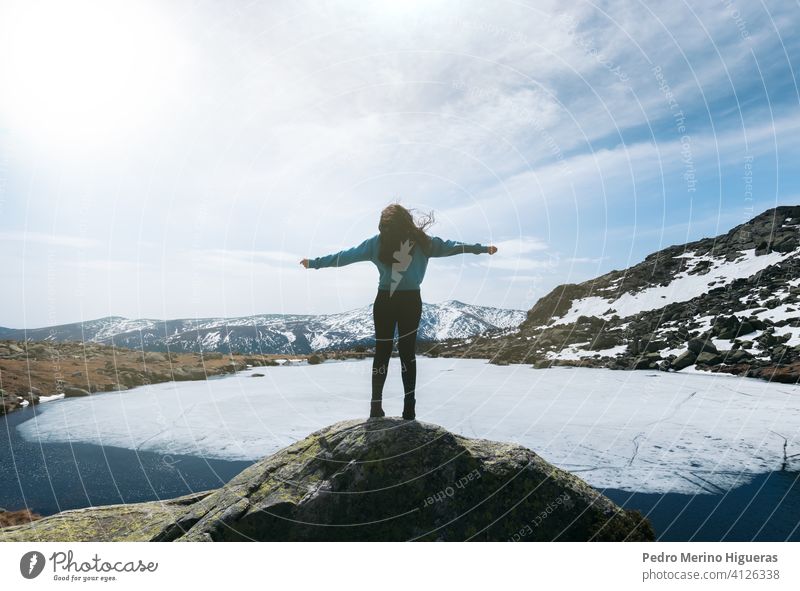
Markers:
(409, 270)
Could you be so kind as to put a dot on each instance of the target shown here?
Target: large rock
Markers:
(74, 392)
(698, 346)
(684, 360)
(738, 356)
(647, 361)
(133, 522)
(395, 480)
(9, 402)
(383, 479)
(709, 358)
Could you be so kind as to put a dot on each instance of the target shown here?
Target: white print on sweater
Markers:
(403, 258)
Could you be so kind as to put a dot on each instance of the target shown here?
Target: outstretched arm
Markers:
(446, 248)
(362, 252)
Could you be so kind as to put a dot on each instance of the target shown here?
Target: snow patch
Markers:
(572, 352)
(682, 288)
(722, 344)
(794, 332)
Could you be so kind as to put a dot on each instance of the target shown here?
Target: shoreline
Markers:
(147, 475)
(35, 372)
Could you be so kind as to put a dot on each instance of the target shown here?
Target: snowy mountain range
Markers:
(729, 303)
(271, 333)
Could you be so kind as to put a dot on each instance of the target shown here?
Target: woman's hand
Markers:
(304, 262)
(492, 249)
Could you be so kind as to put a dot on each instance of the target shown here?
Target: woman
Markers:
(400, 251)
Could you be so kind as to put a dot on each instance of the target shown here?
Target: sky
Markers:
(178, 159)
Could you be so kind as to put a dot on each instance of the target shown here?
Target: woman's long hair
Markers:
(397, 225)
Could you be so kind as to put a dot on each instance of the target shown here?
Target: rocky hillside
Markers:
(270, 333)
(382, 479)
(728, 304)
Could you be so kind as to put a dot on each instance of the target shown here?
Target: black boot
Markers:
(376, 409)
(408, 407)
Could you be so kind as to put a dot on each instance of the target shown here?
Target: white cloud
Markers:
(43, 238)
(585, 260)
(252, 135)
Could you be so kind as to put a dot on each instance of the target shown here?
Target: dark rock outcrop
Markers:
(380, 480)
(731, 309)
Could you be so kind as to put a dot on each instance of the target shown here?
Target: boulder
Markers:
(374, 480)
(179, 373)
(182, 374)
(604, 340)
(389, 479)
(31, 397)
(9, 403)
(763, 248)
(73, 391)
(779, 353)
(655, 346)
(709, 358)
(647, 361)
(738, 356)
(697, 346)
(684, 360)
(725, 327)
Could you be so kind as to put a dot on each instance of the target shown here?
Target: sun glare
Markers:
(83, 71)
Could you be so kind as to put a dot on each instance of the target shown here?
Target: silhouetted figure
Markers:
(401, 251)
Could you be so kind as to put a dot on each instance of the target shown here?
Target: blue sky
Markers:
(178, 159)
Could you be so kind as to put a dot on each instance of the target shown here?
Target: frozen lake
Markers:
(639, 431)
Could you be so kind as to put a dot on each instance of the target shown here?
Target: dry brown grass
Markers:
(21, 517)
(48, 368)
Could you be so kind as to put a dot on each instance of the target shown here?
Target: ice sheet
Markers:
(643, 431)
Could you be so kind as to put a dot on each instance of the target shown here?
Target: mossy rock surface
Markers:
(377, 480)
(133, 522)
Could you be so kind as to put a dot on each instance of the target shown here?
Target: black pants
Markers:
(402, 309)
